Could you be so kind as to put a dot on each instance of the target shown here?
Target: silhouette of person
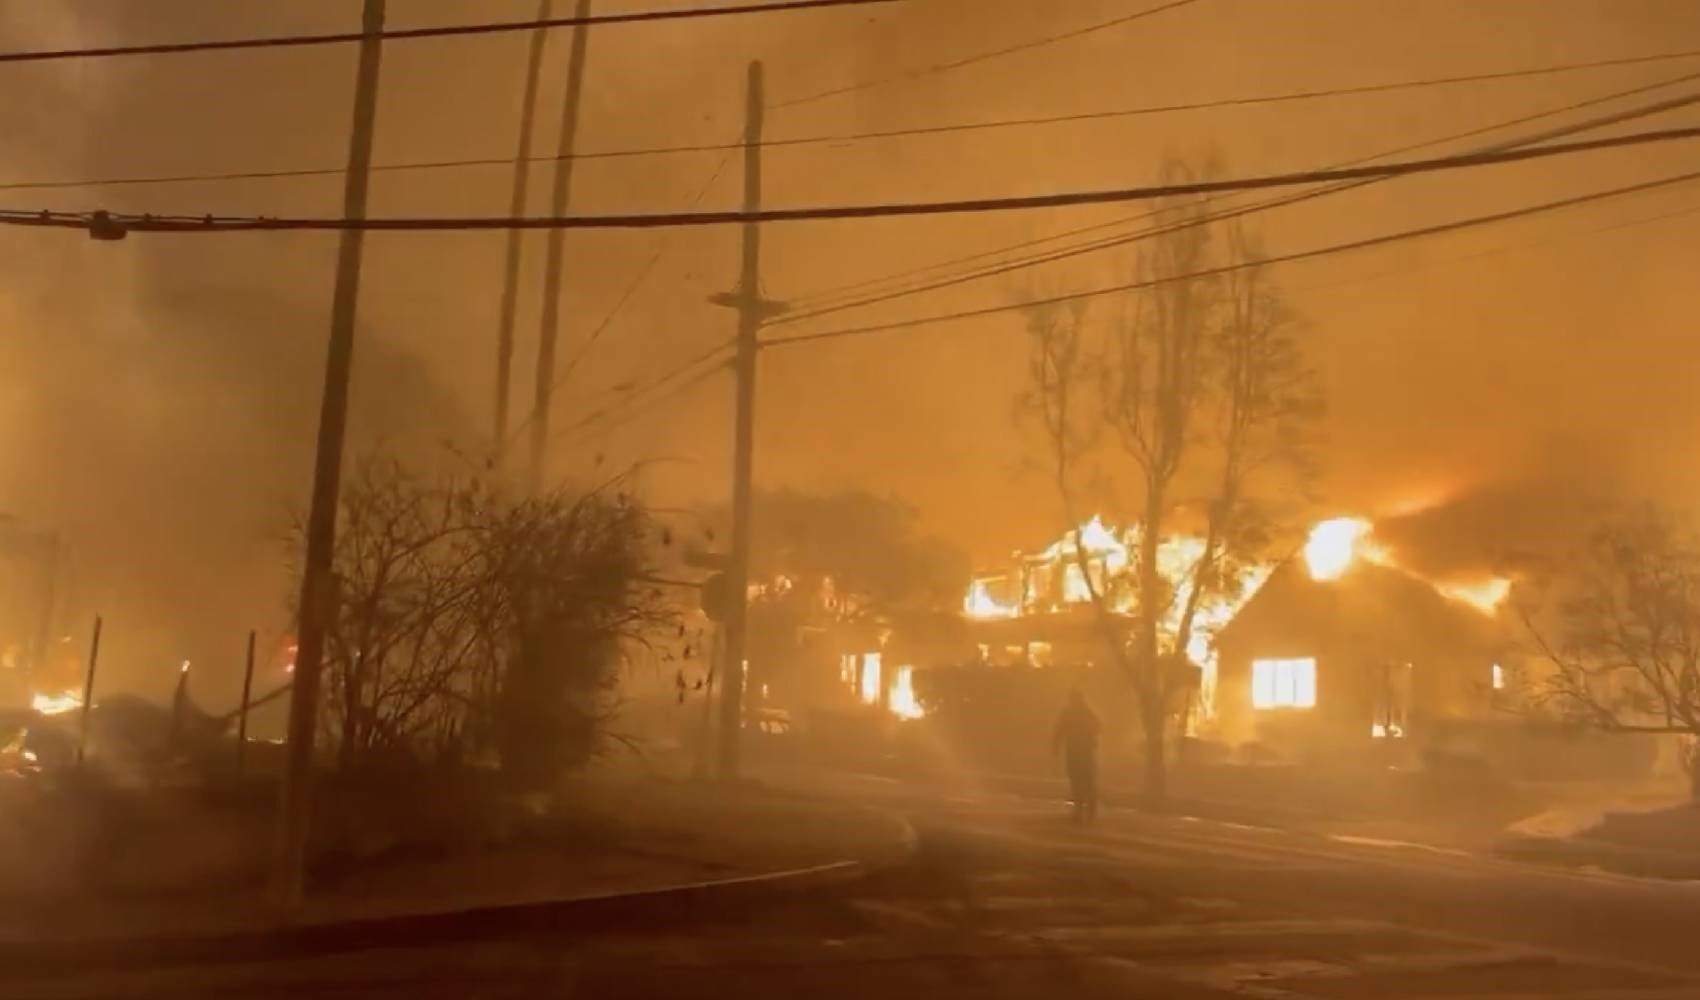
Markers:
(1077, 738)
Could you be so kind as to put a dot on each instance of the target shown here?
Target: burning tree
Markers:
(1199, 389)
(1621, 632)
(471, 624)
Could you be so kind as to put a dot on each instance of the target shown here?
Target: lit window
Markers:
(871, 678)
(904, 704)
(1283, 683)
(1498, 677)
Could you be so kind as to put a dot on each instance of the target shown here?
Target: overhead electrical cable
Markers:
(980, 57)
(906, 284)
(1326, 251)
(643, 396)
(442, 31)
(112, 225)
(843, 137)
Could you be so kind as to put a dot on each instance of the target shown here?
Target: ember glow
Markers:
(56, 704)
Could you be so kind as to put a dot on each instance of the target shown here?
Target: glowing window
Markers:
(1498, 677)
(871, 678)
(1283, 683)
(904, 704)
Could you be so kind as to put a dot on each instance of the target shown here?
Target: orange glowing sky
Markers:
(162, 390)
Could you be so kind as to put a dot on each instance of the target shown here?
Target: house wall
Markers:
(1355, 690)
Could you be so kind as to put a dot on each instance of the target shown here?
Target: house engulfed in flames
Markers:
(1041, 611)
(1337, 639)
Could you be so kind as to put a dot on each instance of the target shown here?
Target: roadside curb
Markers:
(577, 914)
(1586, 852)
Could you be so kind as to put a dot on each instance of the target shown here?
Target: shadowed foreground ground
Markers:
(1004, 899)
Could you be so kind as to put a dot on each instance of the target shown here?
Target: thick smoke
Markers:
(160, 394)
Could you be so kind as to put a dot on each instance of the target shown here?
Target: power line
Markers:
(638, 410)
(847, 137)
(911, 283)
(623, 410)
(445, 31)
(1363, 244)
(650, 405)
(619, 306)
(114, 225)
(980, 57)
(1549, 240)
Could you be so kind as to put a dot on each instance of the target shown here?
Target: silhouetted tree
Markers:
(1620, 630)
(472, 624)
(1200, 386)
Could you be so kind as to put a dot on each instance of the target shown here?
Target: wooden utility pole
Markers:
(318, 596)
(242, 717)
(88, 694)
(753, 310)
(555, 260)
(516, 237)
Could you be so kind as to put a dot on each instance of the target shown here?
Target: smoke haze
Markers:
(160, 394)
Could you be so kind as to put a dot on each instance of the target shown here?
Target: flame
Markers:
(56, 704)
(979, 603)
(870, 687)
(1334, 545)
(1484, 595)
(1109, 554)
(903, 702)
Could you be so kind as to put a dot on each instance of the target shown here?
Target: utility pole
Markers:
(753, 310)
(516, 237)
(318, 591)
(555, 260)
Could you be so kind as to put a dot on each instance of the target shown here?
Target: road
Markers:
(1007, 899)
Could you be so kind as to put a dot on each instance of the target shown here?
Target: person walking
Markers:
(1077, 738)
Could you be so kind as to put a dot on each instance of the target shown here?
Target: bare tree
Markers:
(472, 624)
(1621, 632)
(1202, 382)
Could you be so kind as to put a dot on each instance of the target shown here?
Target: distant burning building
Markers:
(1335, 643)
(1337, 639)
(1039, 611)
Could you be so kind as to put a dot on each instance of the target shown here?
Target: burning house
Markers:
(1040, 610)
(1343, 646)
(1336, 645)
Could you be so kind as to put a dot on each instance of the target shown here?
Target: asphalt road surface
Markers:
(1007, 899)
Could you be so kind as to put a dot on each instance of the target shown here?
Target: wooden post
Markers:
(242, 716)
(88, 694)
(318, 602)
(753, 310)
(555, 250)
(516, 237)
